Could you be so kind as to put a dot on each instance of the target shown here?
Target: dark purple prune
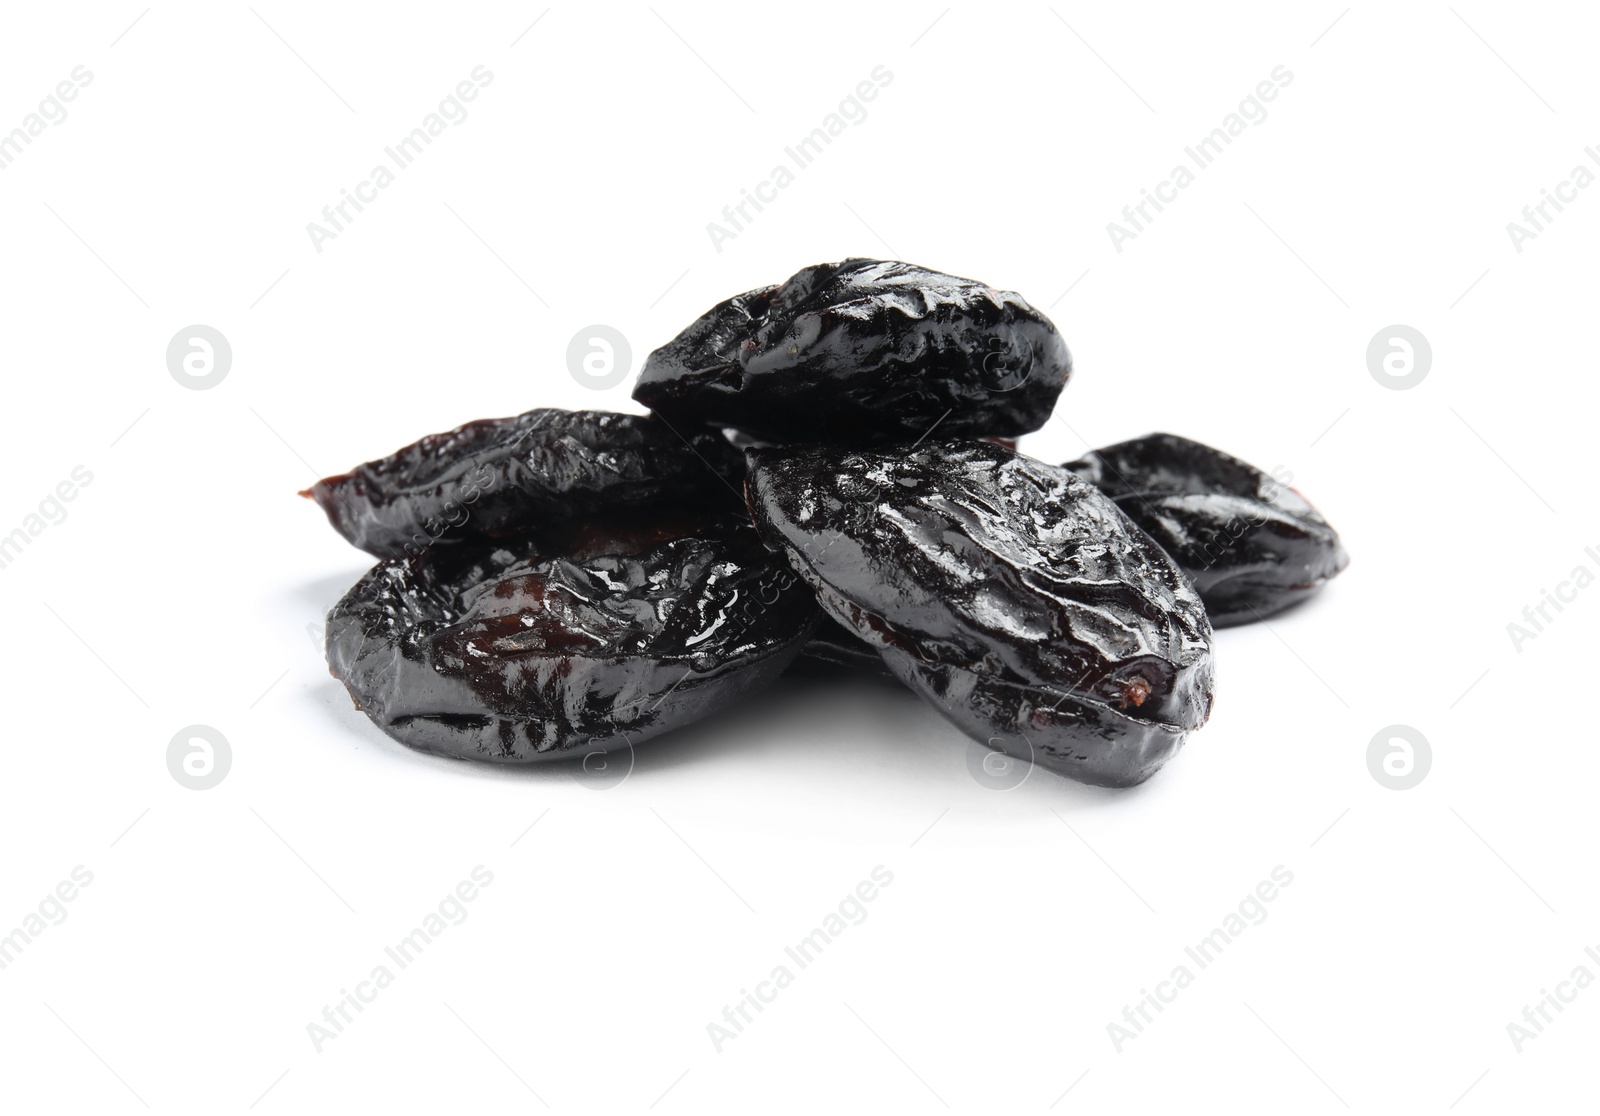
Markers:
(1011, 594)
(496, 478)
(1249, 544)
(833, 648)
(862, 352)
(584, 638)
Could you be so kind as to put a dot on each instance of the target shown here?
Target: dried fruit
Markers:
(585, 638)
(600, 581)
(1010, 593)
(833, 647)
(862, 352)
(505, 477)
(1250, 545)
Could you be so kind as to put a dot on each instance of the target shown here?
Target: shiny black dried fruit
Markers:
(862, 352)
(1249, 544)
(587, 638)
(833, 648)
(1011, 594)
(503, 477)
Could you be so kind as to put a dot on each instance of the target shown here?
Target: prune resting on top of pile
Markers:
(861, 352)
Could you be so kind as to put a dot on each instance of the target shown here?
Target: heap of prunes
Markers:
(828, 477)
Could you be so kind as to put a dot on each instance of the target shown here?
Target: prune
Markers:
(1012, 594)
(580, 639)
(1250, 545)
(502, 477)
(862, 352)
(833, 647)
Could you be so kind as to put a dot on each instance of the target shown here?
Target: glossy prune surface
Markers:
(1249, 544)
(862, 352)
(504, 477)
(1012, 594)
(586, 638)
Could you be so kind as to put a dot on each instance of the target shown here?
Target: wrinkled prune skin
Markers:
(586, 638)
(1012, 594)
(1250, 545)
(862, 352)
(498, 478)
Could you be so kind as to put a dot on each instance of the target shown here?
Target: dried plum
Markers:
(581, 639)
(862, 352)
(502, 477)
(1249, 544)
(833, 647)
(1012, 594)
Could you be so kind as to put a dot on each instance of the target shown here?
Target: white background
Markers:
(187, 583)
